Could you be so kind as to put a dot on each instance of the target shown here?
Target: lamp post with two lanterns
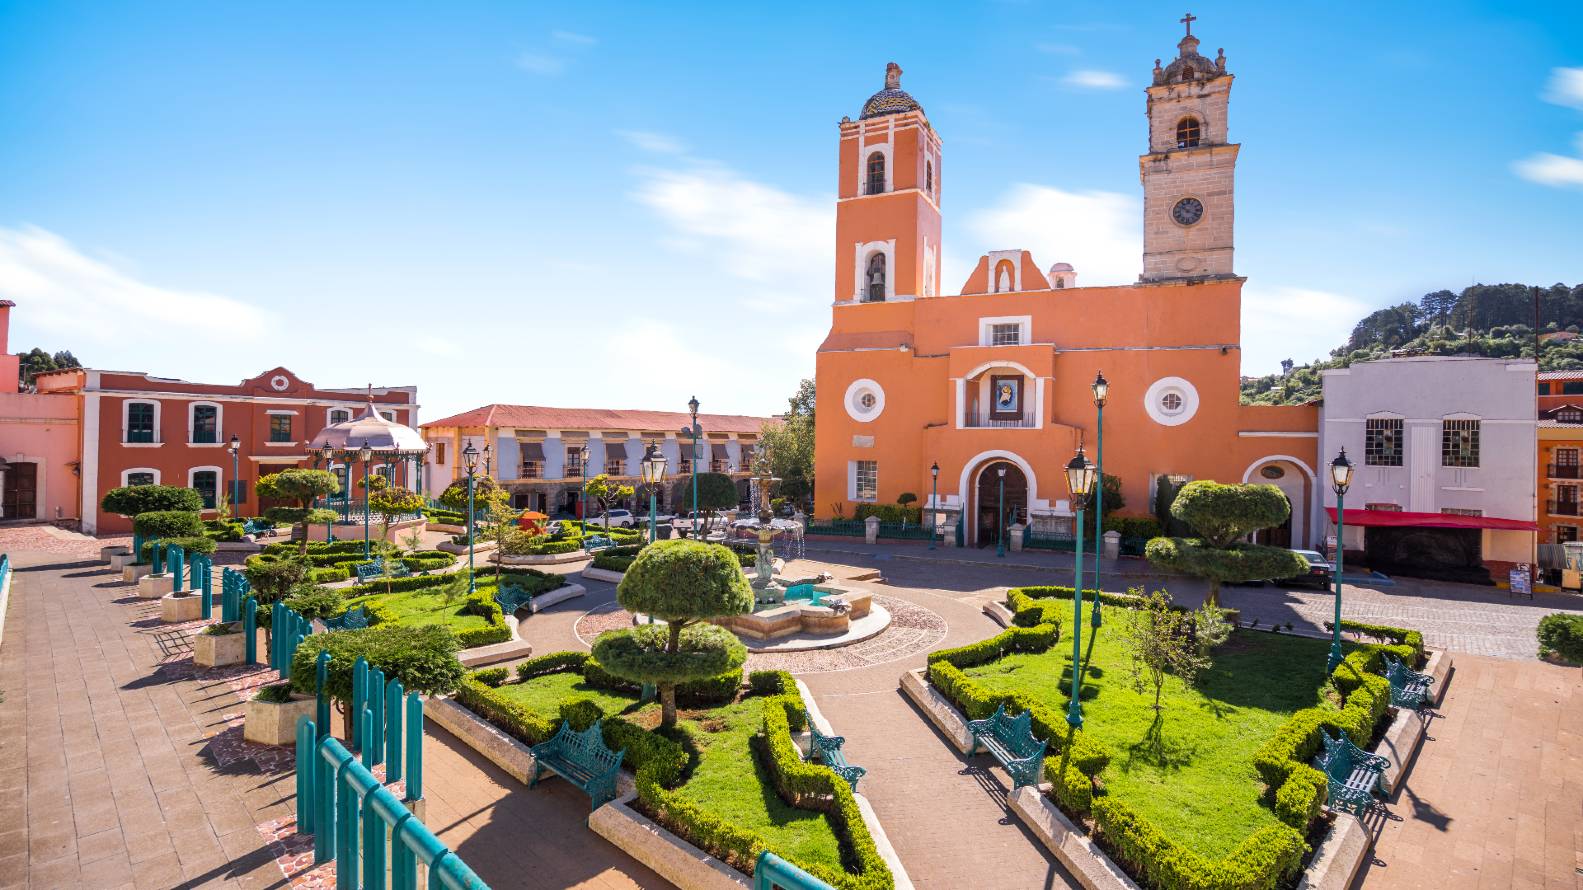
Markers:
(1340, 481)
(934, 502)
(365, 454)
(470, 461)
(1080, 480)
(653, 478)
(1101, 388)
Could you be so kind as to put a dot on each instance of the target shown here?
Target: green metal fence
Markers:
(852, 528)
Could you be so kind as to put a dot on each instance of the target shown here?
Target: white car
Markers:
(614, 519)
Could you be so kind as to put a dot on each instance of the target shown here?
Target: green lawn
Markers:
(1191, 773)
(425, 606)
(728, 778)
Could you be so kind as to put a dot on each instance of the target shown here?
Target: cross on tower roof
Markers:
(1188, 20)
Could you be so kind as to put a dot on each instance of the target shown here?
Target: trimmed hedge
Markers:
(491, 677)
(1029, 606)
(1559, 634)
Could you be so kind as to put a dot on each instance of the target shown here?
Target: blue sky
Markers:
(625, 205)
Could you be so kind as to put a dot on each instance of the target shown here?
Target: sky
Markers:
(624, 205)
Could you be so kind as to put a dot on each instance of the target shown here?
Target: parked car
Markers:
(614, 518)
(1319, 569)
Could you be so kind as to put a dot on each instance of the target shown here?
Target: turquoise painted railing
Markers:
(351, 510)
(176, 564)
(203, 581)
(5, 568)
(233, 587)
(771, 872)
(344, 793)
(846, 527)
(287, 630)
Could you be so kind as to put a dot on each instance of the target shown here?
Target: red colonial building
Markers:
(139, 429)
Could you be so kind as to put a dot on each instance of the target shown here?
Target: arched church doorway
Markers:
(989, 523)
(1292, 477)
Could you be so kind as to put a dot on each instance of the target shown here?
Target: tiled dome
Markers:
(892, 99)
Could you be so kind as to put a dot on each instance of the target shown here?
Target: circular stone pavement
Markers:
(913, 629)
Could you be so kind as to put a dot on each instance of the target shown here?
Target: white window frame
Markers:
(986, 328)
(329, 415)
(853, 492)
(864, 153)
(863, 252)
(1479, 435)
(126, 422)
(219, 483)
(271, 414)
(219, 424)
(130, 470)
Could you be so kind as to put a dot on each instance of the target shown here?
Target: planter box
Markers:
(119, 561)
(179, 608)
(603, 575)
(545, 559)
(131, 572)
(209, 650)
(268, 723)
(461, 549)
(108, 553)
(152, 587)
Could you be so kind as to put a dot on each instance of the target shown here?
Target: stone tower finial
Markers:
(1220, 59)
(892, 76)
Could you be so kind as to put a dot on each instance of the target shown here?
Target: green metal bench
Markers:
(368, 571)
(581, 758)
(826, 749)
(258, 528)
(1010, 740)
(398, 569)
(596, 543)
(511, 598)
(351, 619)
(1409, 688)
(1351, 772)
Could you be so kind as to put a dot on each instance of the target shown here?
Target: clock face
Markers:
(1188, 211)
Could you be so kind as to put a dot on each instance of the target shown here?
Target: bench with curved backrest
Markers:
(351, 619)
(1409, 688)
(581, 758)
(826, 749)
(1351, 773)
(1010, 740)
(596, 543)
(258, 528)
(398, 569)
(510, 598)
(368, 571)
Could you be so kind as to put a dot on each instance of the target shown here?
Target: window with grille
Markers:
(280, 428)
(1384, 508)
(928, 176)
(139, 478)
(205, 424)
(876, 173)
(1567, 494)
(533, 469)
(1382, 442)
(1460, 511)
(207, 484)
(1569, 415)
(867, 480)
(617, 467)
(1187, 132)
(1459, 443)
(1566, 457)
(1005, 334)
(1572, 387)
(140, 422)
(1565, 533)
(340, 415)
(574, 464)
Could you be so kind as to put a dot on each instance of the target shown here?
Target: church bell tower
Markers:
(1189, 173)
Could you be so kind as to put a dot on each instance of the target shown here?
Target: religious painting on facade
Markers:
(1005, 398)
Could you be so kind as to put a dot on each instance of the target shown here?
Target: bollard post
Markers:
(393, 732)
(305, 774)
(178, 567)
(250, 628)
(296, 643)
(206, 591)
(359, 686)
(321, 681)
(376, 706)
(366, 718)
(414, 747)
(157, 559)
(275, 627)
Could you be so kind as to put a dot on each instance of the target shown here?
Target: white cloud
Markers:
(647, 140)
(1565, 87)
(1293, 322)
(1099, 233)
(1549, 169)
(574, 37)
(69, 292)
(538, 63)
(1094, 79)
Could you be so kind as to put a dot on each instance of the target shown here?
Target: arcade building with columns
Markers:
(998, 375)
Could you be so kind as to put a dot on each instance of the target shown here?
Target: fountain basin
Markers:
(800, 616)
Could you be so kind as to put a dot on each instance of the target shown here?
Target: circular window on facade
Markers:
(1171, 401)
(865, 400)
(279, 382)
(1272, 472)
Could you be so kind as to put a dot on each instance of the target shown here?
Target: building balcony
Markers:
(1562, 508)
(531, 469)
(982, 420)
(1563, 471)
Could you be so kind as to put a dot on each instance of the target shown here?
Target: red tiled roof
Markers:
(1560, 375)
(536, 417)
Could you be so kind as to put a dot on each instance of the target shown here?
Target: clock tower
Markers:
(1188, 174)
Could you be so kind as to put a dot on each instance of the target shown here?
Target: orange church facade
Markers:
(998, 376)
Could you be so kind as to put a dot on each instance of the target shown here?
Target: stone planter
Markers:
(106, 554)
(176, 608)
(269, 723)
(132, 571)
(152, 587)
(209, 650)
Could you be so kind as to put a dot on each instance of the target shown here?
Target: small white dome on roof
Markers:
(1062, 276)
(373, 431)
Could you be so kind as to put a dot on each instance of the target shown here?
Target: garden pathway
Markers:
(120, 766)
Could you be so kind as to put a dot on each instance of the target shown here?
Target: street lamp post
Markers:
(1340, 480)
(582, 489)
(488, 460)
(1080, 479)
(365, 454)
(934, 501)
(697, 433)
(653, 477)
(470, 460)
(1000, 514)
(1101, 388)
(328, 454)
(235, 446)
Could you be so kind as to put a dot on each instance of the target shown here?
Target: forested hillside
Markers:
(1484, 319)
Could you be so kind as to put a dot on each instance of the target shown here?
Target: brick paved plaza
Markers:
(119, 766)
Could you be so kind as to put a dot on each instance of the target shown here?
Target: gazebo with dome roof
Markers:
(371, 438)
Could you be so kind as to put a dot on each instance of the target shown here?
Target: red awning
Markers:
(1398, 519)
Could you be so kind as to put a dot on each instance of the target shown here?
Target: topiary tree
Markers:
(422, 657)
(681, 583)
(607, 494)
(391, 503)
(274, 579)
(906, 498)
(486, 491)
(716, 492)
(1222, 515)
(131, 500)
(166, 525)
(302, 487)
